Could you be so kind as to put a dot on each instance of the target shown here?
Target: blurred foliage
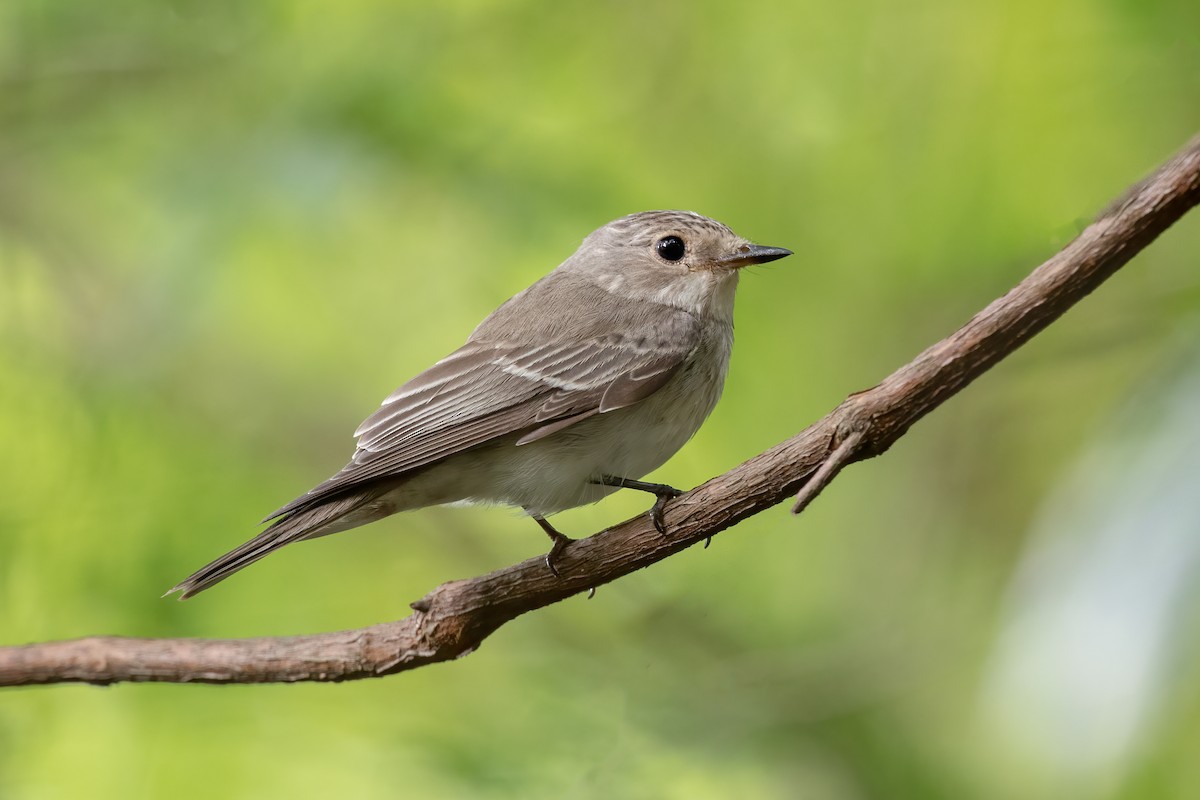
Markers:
(228, 229)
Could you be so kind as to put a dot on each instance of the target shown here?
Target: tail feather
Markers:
(332, 516)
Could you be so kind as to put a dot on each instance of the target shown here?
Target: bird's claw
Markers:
(656, 511)
(560, 544)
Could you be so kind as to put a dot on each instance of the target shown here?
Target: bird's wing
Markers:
(486, 390)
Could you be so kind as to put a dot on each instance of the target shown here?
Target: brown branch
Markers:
(456, 617)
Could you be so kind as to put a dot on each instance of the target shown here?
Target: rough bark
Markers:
(456, 617)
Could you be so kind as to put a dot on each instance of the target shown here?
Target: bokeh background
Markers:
(227, 230)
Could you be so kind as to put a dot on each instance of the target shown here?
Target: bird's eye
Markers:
(671, 248)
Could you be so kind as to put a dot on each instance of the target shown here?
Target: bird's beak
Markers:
(753, 254)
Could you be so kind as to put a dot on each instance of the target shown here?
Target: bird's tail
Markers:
(334, 515)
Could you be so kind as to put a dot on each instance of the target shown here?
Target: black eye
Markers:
(671, 248)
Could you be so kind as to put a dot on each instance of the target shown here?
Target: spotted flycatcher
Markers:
(575, 387)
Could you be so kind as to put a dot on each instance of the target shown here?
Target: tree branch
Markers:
(456, 617)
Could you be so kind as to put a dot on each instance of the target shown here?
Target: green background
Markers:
(227, 230)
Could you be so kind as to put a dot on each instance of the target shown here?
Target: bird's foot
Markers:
(660, 490)
(560, 544)
(560, 541)
(664, 494)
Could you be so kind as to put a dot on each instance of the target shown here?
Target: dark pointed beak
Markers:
(753, 254)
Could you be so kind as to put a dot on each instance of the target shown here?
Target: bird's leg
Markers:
(660, 490)
(560, 540)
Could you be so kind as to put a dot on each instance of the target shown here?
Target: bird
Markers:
(575, 387)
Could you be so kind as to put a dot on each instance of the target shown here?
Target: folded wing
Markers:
(487, 390)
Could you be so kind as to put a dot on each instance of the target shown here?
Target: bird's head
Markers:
(677, 258)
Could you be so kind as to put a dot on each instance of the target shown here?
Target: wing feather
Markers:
(486, 390)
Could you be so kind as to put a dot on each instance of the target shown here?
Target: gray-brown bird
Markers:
(573, 388)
